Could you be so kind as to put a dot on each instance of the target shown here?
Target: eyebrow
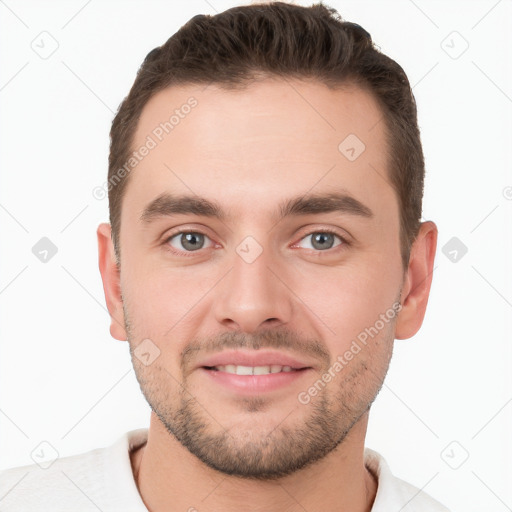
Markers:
(167, 205)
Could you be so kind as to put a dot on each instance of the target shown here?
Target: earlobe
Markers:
(110, 276)
(418, 279)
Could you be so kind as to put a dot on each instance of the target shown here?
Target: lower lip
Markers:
(252, 384)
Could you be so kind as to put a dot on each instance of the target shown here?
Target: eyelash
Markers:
(187, 254)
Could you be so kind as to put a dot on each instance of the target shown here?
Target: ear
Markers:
(418, 279)
(110, 275)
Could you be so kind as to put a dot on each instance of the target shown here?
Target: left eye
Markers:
(189, 241)
(322, 240)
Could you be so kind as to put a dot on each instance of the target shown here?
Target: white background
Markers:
(64, 380)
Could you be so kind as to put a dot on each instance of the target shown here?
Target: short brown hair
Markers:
(279, 40)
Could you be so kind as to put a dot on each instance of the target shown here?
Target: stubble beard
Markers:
(277, 450)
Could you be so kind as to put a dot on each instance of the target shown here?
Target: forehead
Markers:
(271, 139)
(269, 107)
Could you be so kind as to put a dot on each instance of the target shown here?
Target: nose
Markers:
(252, 297)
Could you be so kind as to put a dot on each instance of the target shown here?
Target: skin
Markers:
(249, 150)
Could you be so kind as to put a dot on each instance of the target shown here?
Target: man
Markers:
(264, 251)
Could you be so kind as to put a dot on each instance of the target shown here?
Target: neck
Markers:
(170, 478)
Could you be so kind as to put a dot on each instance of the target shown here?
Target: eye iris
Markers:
(192, 241)
(320, 238)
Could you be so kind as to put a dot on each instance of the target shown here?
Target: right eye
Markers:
(187, 241)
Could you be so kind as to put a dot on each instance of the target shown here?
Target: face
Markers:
(279, 249)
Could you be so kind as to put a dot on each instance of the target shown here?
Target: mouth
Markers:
(254, 370)
(254, 362)
(251, 378)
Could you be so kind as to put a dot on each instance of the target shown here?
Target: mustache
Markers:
(275, 339)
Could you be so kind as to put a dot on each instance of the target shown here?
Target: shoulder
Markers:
(82, 482)
(34, 487)
(394, 493)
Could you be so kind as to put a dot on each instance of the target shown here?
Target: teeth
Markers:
(253, 370)
(244, 370)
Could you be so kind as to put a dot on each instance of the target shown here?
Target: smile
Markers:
(252, 370)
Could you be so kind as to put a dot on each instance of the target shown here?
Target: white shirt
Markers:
(102, 479)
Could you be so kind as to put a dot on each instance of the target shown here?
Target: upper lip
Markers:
(254, 358)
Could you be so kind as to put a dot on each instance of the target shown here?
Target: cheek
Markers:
(345, 301)
(161, 295)
(166, 305)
